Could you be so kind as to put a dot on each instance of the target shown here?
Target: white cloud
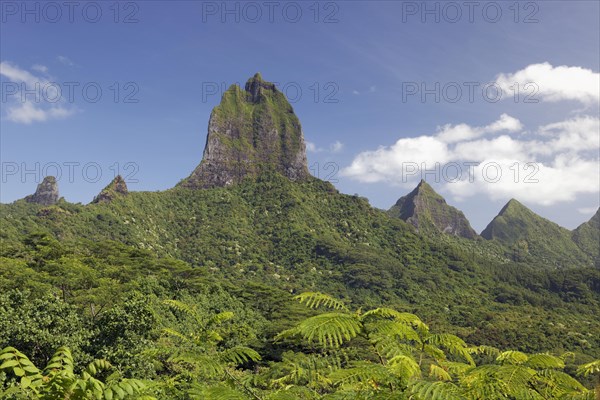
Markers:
(312, 148)
(66, 61)
(460, 132)
(336, 146)
(553, 164)
(574, 135)
(15, 74)
(555, 83)
(40, 68)
(28, 113)
(27, 109)
(560, 180)
(372, 89)
(587, 210)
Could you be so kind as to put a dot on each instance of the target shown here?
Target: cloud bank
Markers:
(552, 164)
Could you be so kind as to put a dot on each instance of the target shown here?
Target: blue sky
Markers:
(349, 67)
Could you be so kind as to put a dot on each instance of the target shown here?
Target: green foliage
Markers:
(58, 380)
(191, 289)
(38, 325)
(291, 238)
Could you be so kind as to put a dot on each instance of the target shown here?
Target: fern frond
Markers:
(317, 299)
(220, 318)
(389, 347)
(62, 360)
(362, 371)
(239, 355)
(329, 330)
(183, 307)
(516, 377)
(434, 352)
(425, 390)
(486, 350)
(439, 373)
(543, 361)
(512, 357)
(124, 389)
(453, 344)
(402, 317)
(396, 330)
(173, 332)
(483, 383)
(589, 368)
(558, 383)
(404, 366)
(207, 365)
(457, 368)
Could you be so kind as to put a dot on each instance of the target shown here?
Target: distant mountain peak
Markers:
(527, 233)
(587, 237)
(427, 211)
(117, 187)
(250, 131)
(513, 204)
(46, 192)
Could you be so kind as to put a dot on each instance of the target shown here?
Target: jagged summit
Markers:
(250, 131)
(117, 187)
(46, 193)
(427, 211)
(256, 88)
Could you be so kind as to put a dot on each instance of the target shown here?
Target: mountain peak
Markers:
(526, 233)
(251, 131)
(257, 88)
(587, 237)
(117, 187)
(512, 204)
(46, 192)
(427, 211)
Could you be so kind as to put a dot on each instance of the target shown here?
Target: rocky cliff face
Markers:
(46, 193)
(427, 211)
(250, 131)
(117, 187)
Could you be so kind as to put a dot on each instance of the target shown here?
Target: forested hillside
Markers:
(200, 292)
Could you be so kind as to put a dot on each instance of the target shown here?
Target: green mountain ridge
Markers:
(427, 211)
(530, 235)
(587, 237)
(247, 225)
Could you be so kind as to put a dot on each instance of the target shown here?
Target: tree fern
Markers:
(316, 300)
(437, 390)
(439, 373)
(329, 329)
